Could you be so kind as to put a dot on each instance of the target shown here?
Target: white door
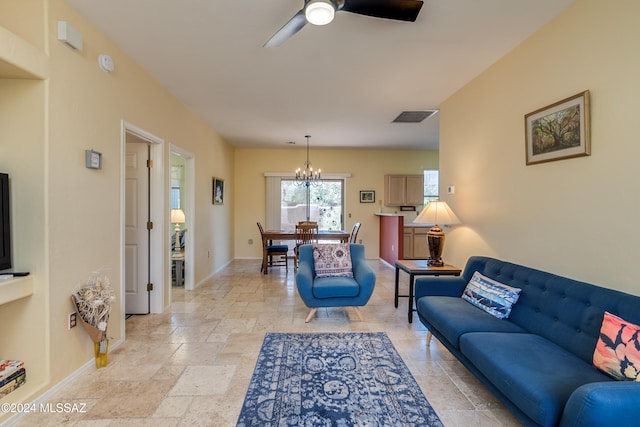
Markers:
(136, 232)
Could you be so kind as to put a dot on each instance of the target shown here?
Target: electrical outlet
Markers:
(72, 320)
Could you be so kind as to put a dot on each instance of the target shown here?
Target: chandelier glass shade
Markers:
(306, 175)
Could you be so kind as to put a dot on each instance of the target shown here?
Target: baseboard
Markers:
(222, 267)
(49, 393)
(386, 263)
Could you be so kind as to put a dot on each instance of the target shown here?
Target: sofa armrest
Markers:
(448, 286)
(609, 403)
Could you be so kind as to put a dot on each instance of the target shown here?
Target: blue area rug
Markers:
(333, 379)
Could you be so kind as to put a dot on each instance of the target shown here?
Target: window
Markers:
(431, 185)
(287, 202)
(324, 204)
(176, 180)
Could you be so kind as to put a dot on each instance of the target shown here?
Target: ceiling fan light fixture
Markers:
(319, 12)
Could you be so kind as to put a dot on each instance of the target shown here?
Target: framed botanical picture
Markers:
(367, 196)
(559, 131)
(218, 191)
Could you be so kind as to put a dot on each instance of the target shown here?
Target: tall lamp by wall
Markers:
(436, 213)
(177, 217)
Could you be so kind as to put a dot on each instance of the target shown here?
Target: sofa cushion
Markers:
(537, 375)
(618, 348)
(335, 287)
(453, 317)
(332, 260)
(565, 311)
(490, 295)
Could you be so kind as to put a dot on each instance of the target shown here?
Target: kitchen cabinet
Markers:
(415, 243)
(404, 190)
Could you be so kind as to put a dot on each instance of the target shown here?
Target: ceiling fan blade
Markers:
(294, 25)
(402, 10)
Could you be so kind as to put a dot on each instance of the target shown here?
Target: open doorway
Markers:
(182, 204)
(142, 279)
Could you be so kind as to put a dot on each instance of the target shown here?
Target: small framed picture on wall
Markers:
(367, 196)
(218, 191)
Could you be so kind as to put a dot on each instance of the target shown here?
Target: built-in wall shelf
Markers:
(16, 288)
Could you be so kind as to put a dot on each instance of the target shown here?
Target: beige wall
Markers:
(24, 332)
(367, 168)
(27, 19)
(67, 218)
(573, 217)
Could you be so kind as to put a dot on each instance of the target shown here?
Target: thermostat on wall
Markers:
(93, 159)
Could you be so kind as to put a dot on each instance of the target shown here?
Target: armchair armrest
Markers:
(608, 403)
(448, 286)
(305, 273)
(363, 273)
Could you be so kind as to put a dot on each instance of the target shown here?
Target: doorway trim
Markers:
(158, 243)
(190, 206)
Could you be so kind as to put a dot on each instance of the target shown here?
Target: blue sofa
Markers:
(335, 291)
(538, 361)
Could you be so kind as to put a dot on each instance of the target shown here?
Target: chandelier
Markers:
(307, 175)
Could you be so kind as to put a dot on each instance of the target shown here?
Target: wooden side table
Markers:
(419, 267)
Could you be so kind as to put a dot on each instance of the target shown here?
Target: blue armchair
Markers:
(319, 292)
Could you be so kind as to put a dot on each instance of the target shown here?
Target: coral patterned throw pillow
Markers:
(618, 349)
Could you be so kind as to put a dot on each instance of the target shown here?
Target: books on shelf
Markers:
(8, 367)
(12, 375)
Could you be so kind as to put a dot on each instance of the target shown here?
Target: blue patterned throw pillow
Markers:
(493, 297)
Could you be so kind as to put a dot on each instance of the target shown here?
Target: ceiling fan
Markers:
(321, 12)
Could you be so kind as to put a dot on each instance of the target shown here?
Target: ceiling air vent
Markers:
(414, 116)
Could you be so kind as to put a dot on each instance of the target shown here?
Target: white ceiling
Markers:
(342, 83)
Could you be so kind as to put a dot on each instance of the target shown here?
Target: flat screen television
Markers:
(5, 223)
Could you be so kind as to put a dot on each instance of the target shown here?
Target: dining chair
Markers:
(273, 255)
(354, 233)
(306, 233)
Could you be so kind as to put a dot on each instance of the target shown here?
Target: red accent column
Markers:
(391, 238)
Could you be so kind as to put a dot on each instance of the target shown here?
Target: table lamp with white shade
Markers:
(177, 217)
(436, 213)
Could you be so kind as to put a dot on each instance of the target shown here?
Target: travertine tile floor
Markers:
(191, 366)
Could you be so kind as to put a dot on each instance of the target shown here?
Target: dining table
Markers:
(283, 235)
